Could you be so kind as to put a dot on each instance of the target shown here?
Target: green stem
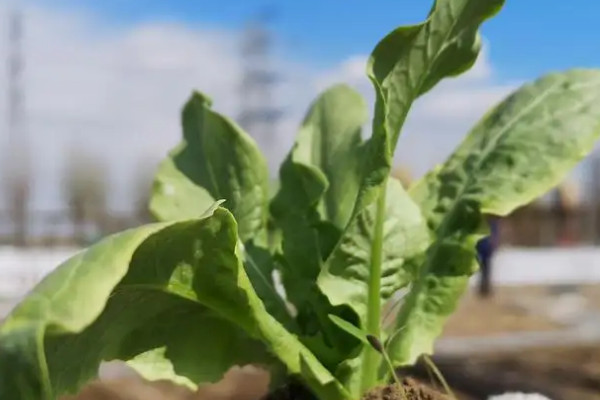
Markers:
(391, 369)
(371, 358)
(388, 361)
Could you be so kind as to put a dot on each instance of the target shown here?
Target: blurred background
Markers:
(90, 95)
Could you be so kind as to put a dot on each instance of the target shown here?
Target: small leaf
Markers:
(348, 327)
(375, 343)
(154, 365)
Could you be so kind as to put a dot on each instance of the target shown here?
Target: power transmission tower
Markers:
(259, 114)
(17, 167)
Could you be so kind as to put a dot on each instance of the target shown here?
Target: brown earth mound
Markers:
(413, 390)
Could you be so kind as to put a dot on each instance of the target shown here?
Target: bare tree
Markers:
(86, 185)
(16, 168)
(142, 185)
(16, 189)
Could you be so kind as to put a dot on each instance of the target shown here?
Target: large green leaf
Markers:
(172, 293)
(330, 140)
(411, 60)
(90, 309)
(345, 278)
(322, 172)
(407, 63)
(518, 151)
(218, 160)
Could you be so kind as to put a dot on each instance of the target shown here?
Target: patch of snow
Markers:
(551, 266)
(21, 269)
(567, 308)
(518, 396)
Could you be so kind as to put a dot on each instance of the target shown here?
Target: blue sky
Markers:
(81, 92)
(528, 37)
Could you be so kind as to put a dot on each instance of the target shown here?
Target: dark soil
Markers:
(413, 390)
(571, 373)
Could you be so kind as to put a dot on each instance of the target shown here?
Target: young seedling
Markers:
(378, 346)
(375, 343)
(431, 366)
(188, 297)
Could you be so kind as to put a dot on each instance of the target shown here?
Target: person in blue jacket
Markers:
(485, 251)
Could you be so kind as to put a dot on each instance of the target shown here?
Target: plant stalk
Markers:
(390, 365)
(371, 359)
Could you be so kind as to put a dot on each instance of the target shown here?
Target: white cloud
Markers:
(117, 92)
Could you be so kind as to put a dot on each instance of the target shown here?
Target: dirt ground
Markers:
(567, 373)
(496, 315)
(560, 374)
(410, 390)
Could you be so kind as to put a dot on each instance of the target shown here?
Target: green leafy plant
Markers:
(186, 298)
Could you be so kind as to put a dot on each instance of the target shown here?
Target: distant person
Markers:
(485, 251)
